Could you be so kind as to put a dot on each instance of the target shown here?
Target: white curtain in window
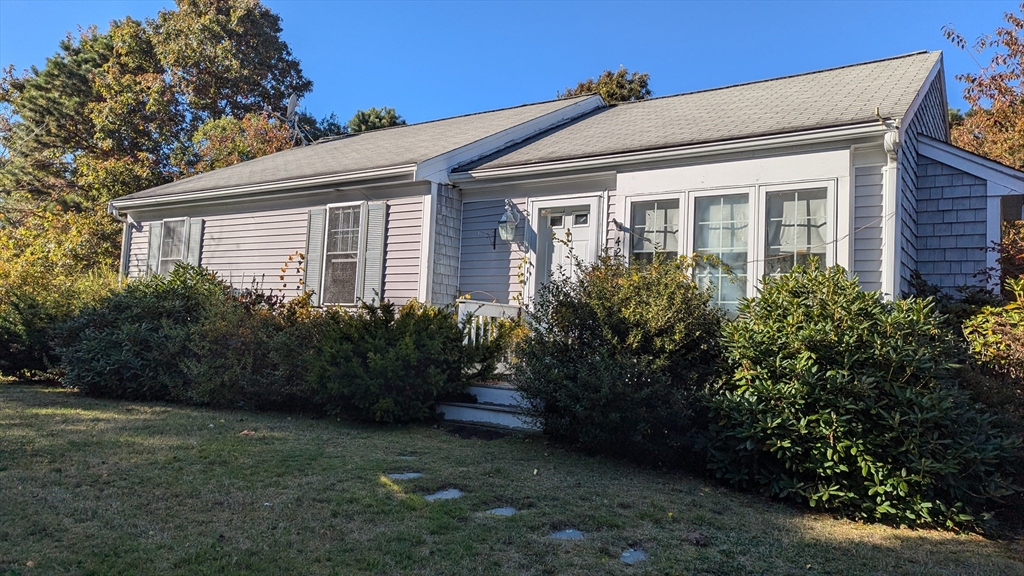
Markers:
(797, 228)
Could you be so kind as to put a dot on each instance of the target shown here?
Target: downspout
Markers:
(890, 243)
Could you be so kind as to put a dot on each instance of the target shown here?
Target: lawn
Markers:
(99, 487)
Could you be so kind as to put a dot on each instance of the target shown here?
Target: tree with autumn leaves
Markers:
(112, 113)
(994, 125)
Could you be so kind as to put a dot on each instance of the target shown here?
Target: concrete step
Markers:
(487, 414)
(496, 393)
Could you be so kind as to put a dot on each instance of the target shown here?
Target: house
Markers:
(852, 165)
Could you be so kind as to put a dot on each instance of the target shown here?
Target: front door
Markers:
(564, 239)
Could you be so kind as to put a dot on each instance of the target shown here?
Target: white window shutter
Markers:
(315, 252)
(373, 265)
(155, 233)
(195, 241)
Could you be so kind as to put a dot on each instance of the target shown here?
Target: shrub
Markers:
(137, 343)
(616, 356)
(386, 363)
(52, 264)
(995, 337)
(843, 401)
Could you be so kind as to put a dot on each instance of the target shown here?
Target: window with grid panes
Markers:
(721, 226)
(654, 229)
(172, 245)
(796, 229)
(341, 257)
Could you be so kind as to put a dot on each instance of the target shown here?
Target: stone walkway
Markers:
(630, 556)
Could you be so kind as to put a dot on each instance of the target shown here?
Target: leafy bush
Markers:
(995, 337)
(188, 337)
(52, 264)
(387, 363)
(616, 357)
(846, 402)
(136, 344)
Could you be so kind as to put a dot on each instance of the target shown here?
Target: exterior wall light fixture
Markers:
(508, 222)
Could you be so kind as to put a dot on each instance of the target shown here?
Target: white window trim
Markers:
(627, 216)
(757, 211)
(759, 225)
(597, 235)
(360, 259)
(160, 245)
(690, 226)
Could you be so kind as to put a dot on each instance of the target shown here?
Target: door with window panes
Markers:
(564, 233)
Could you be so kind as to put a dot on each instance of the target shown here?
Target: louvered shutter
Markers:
(315, 252)
(155, 232)
(373, 264)
(195, 241)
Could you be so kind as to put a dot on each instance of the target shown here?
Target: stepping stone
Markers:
(448, 494)
(406, 457)
(569, 534)
(405, 476)
(632, 556)
(507, 511)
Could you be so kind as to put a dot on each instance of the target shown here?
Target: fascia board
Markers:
(613, 161)
(233, 193)
(971, 163)
(436, 169)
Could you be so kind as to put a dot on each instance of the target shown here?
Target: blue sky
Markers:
(436, 59)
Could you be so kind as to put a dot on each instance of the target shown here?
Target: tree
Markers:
(226, 141)
(140, 105)
(374, 119)
(325, 127)
(226, 58)
(618, 86)
(994, 125)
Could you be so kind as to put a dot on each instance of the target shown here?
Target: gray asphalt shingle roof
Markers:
(396, 146)
(828, 98)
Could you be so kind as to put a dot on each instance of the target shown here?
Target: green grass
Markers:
(98, 487)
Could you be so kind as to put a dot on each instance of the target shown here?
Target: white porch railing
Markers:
(484, 325)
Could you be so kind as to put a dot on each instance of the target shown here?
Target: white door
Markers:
(564, 237)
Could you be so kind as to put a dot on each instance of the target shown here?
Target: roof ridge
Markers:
(775, 78)
(347, 136)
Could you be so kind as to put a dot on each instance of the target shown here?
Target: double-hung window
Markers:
(172, 245)
(796, 229)
(744, 232)
(654, 229)
(342, 263)
(721, 231)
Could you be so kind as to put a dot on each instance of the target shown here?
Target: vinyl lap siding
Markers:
(489, 273)
(867, 226)
(138, 252)
(402, 249)
(250, 249)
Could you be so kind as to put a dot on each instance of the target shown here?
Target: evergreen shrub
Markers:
(616, 358)
(188, 337)
(845, 402)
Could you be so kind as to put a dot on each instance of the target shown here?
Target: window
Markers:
(721, 229)
(796, 229)
(654, 229)
(172, 245)
(341, 255)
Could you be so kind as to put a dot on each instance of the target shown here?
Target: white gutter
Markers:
(233, 191)
(681, 152)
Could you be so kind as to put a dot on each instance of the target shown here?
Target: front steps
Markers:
(497, 405)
